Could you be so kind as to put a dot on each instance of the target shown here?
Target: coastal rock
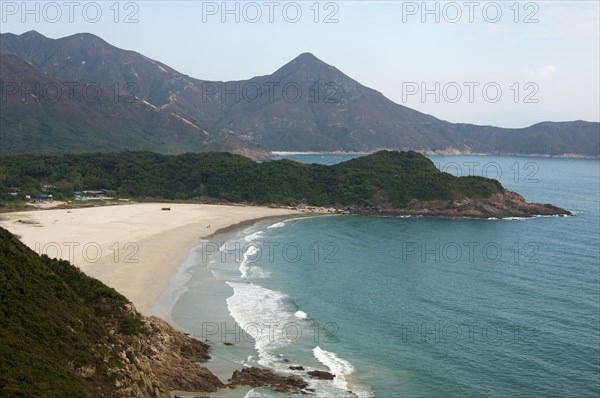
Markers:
(500, 205)
(320, 375)
(296, 367)
(160, 361)
(257, 377)
(507, 204)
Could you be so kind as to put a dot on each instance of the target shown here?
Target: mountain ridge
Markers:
(46, 114)
(332, 111)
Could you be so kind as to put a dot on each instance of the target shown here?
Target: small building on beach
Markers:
(41, 198)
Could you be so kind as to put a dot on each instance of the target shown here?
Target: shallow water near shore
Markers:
(414, 307)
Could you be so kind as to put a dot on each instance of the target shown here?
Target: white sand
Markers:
(134, 248)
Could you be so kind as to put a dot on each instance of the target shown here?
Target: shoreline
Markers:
(168, 298)
(501, 205)
(197, 297)
(211, 304)
(133, 248)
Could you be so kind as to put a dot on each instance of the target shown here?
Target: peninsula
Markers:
(384, 183)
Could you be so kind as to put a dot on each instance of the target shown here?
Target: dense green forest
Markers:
(384, 179)
(55, 323)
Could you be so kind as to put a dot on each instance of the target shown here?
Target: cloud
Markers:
(546, 72)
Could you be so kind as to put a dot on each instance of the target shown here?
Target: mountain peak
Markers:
(33, 34)
(87, 38)
(307, 59)
(307, 64)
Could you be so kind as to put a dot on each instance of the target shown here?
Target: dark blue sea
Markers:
(413, 307)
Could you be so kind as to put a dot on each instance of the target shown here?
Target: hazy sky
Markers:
(502, 63)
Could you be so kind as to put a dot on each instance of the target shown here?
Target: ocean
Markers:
(411, 307)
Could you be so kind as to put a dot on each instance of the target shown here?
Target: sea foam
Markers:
(253, 236)
(277, 225)
(254, 308)
(300, 315)
(339, 367)
(244, 267)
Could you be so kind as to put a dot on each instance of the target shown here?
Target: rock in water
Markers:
(320, 375)
(256, 377)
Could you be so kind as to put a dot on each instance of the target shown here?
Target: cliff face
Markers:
(163, 360)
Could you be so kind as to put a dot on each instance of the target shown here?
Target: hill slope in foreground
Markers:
(384, 183)
(64, 334)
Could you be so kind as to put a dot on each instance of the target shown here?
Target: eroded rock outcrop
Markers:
(162, 360)
(257, 377)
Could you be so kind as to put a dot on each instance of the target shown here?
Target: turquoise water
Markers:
(415, 307)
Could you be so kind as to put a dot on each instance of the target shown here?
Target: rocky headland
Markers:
(506, 204)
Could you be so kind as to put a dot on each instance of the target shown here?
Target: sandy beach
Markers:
(134, 248)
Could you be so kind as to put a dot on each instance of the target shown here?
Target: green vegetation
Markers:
(384, 179)
(55, 325)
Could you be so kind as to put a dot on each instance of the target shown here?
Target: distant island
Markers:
(386, 183)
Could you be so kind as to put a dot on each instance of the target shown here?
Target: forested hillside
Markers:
(384, 179)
